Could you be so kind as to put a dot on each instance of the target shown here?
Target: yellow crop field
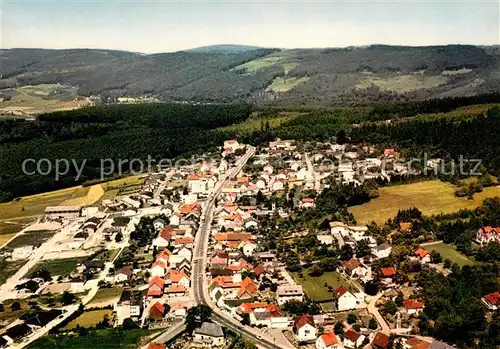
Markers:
(430, 197)
(89, 318)
(34, 205)
(90, 196)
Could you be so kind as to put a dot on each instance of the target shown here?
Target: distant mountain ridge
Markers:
(238, 73)
(223, 48)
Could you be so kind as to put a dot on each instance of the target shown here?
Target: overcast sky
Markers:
(163, 26)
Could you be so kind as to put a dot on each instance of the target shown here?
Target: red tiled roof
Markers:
(175, 275)
(415, 343)
(352, 335)
(248, 208)
(157, 281)
(351, 264)
(308, 200)
(157, 346)
(154, 292)
(273, 310)
(329, 339)
(249, 307)
(233, 237)
(157, 311)
(243, 180)
(158, 263)
(304, 320)
(247, 286)
(219, 260)
(381, 340)
(388, 272)
(125, 271)
(340, 291)
(421, 252)
(188, 208)
(166, 234)
(184, 240)
(163, 255)
(493, 298)
(176, 289)
(259, 270)
(225, 282)
(413, 304)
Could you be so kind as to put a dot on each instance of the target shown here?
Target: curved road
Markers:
(199, 281)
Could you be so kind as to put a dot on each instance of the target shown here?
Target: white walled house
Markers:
(305, 329)
(209, 334)
(353, 339)
(328, 341)
(358, 232)
(286, 293)
(158, 269)
(382, 251)
(325, 239)
(339, 228)
(159, 224)
(345, 299)
(248, 247)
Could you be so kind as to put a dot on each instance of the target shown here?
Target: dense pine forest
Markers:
(107, 132)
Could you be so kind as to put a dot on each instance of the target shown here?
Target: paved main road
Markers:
(163, 184)
(199, 281)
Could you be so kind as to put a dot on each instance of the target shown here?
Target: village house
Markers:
(247, 247)
(492, 301)
(325, 239)
(353, 339)
(130, 305)
(381, 341)
(183, 250)
(159, 224)
(163, 238)
(339, 228)
(345, 299)
(123, 274)
(354, 269)
(413, 307)
(286, 293)
(231, 146)
(157, 312)
(197, 184)
(179, 311)
(386, 275)
(178, 277)
(382, 251)
(176, 290)
(158, 268)
(307, 203)
(209, 334)
(488, 234)
(423, 256)
(155, 288)
(268, 315)
(305, 329)
(328, 341)
(163, 256)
